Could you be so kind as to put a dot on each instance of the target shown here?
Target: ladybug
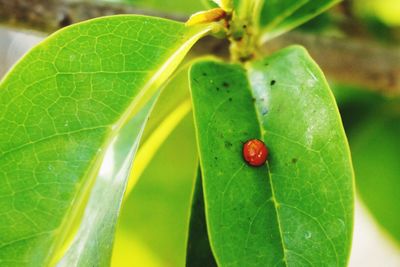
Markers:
(255, 152)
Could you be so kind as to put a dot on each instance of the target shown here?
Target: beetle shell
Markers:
(255, 153)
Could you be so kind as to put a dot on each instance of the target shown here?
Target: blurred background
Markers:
(357, 44)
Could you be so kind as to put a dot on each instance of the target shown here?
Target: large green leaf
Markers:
(171, 108)
(165, 187)
(279, 17)
(62, 106)
(96, 233)
(298, 208)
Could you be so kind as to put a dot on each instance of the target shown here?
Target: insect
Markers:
(255, 153)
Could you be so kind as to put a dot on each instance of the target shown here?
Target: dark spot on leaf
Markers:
(273, 82)
(264, 111)
(230, 99)
(225, 84)
(216, 158)
(204, 74)
(228, 144)
(294, 160)
(266, 64)
(217, 88)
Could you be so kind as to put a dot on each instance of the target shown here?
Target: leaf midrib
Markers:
(273, 197)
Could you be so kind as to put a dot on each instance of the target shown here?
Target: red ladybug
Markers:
(255, 152)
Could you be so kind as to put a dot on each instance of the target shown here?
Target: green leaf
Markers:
(165, 187)
(209, 4)
(275, 11)
(198, 246)
(96, 232)
(279, 17)
(62, 106)
(298, 208)
(171, 108)
(375, 148)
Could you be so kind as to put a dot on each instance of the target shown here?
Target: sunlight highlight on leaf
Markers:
(152, 144)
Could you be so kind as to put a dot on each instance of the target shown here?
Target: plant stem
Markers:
(243, 32)
(355, 60)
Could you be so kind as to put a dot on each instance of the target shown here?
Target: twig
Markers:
(358, 62)
(51, 15)
(364, 64)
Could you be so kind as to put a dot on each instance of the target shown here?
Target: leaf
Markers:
(274, 11)
(62, 106)
(283, 16)
(128, 249)
(297, 209)
(165, 187)
(209, 4)
(96, 232)
(171, 108)
(198, 246)
(375, 148)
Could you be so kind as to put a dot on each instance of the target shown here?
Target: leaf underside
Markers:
(298, 208)
(61, 107)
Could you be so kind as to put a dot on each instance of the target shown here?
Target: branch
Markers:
(51, 15)
(358, 62)
(364, 64)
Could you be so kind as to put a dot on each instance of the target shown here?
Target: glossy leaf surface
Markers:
(297, 209)
(96, 232)
(62, 106)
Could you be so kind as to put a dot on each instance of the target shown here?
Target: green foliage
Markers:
(75, 109)
(198, 246)
(157, 210)
(279, 17)
(108, 188)
(298, 208)
(375, 147)
(371, 122)
(63, 105)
